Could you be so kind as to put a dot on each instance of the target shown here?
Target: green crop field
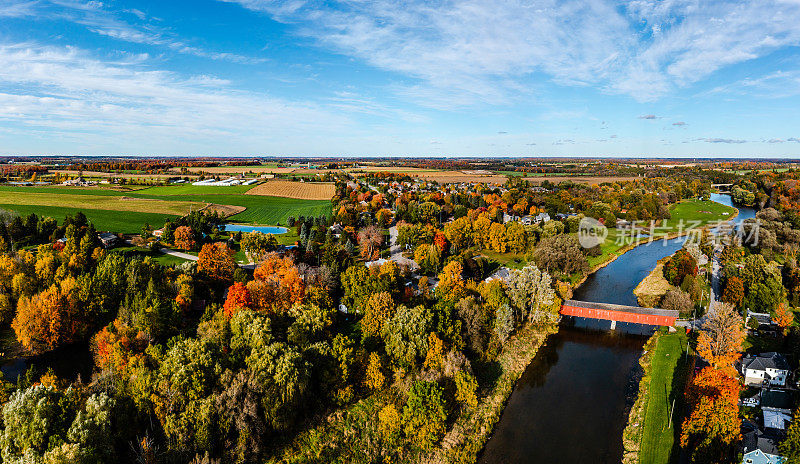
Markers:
(125, 222)
(667, 378)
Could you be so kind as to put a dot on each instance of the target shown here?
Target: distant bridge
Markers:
(619, 313)
(720, 186)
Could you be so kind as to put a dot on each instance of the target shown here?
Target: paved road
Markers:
(178, 254)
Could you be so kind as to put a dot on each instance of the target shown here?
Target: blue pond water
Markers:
(263, 229)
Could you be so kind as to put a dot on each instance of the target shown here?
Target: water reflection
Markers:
(570, 404)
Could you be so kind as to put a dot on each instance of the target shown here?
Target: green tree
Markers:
(424, 416)
(406, 335)
(531, 292)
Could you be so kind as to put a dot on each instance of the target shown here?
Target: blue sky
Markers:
(675, 78)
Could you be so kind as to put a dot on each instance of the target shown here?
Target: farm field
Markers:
(118, 202)
(299, 190)
(127, 223)
(108, 211)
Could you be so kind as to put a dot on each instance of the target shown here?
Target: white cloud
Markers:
(480, 51)
(66, 90)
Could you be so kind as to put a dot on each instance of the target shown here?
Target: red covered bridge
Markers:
(619, 313)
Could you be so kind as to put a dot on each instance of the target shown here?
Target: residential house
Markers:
(107, 239)
(760, 447)
(766, 368)
(541, 217)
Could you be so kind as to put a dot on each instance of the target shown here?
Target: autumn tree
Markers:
(679, 266)
(531, 292)
(379, 309)
(238, 298)
(784, 317)
(712, 428)
(45, 321)
(374, 379)
(184, 238)
(277, 285)
(677, 300)
(370, 238)
(733, 292)
(216, 261)
(720, 339)
(256, 245)
(561, 253)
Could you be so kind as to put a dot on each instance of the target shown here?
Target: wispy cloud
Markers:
(69, 91)
(99, 18)
(477, 51)
(679, 124)
(720, 140)
(648, 116)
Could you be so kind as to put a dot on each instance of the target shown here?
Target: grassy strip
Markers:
(649, 438)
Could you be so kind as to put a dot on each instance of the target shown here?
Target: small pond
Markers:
(246, 229)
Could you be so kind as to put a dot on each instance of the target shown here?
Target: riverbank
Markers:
(351, 434)
(469, 434)
(656, 415)
(614, 255)
(653, 287)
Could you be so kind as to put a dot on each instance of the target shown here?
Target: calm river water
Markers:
(571, 404)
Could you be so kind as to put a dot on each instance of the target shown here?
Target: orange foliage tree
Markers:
(216, 261)
(184, 238)
(116, 344)
(370, 238)
(783, 316)
(713, 425)
(277, 285)
(720, 340)
(734, 291)
(238, 298)
(45, 321)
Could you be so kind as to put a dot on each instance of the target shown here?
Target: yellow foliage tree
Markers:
(374, 378)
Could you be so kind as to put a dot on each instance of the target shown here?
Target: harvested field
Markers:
(299, 190)
(100, 202)
(225, 210)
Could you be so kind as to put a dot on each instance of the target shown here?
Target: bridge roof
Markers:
(627, 309)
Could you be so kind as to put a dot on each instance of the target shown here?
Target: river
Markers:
(571, 404)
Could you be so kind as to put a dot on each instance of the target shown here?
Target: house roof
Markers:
(781, 399)
(754, 439)
(766, 361)
(759, 457)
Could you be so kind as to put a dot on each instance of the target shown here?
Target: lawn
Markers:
(667, 379)
(511, 260)
(697, 211)
(138, 252)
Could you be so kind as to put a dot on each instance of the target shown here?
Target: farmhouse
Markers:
(770, 368)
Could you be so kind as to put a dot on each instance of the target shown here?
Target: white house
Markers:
(771, 368)
(541, 217)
